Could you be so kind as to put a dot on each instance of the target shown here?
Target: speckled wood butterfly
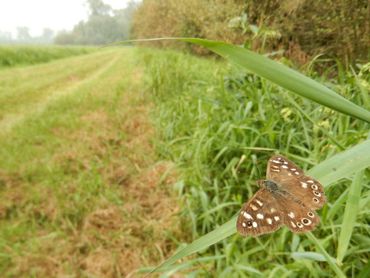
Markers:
(287, 197)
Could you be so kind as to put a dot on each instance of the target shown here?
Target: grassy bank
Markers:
(11, 56)
(220, 125)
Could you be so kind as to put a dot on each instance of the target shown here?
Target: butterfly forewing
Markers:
(292, 179)
(260, 215)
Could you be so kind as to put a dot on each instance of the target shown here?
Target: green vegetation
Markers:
(11, 56)
(76, 162)
(89, 145)
(221, 125)
(299, 30)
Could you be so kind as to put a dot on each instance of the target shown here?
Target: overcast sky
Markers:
(40, 14)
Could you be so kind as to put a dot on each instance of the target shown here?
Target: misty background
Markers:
(103, 24)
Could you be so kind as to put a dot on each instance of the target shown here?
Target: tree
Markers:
(23, 33)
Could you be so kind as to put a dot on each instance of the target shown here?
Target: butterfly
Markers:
(287, 197)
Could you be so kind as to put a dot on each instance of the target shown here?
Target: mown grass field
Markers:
(110, 161)
(76, 165)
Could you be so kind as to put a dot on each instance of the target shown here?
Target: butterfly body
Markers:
(287, 197)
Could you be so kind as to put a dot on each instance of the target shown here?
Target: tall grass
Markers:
(15, 55)
(221, 124)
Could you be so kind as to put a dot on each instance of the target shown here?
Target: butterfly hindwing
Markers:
(260, 215)
(296, 216)
(292, 179)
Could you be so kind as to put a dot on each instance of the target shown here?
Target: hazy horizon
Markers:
(40, 14)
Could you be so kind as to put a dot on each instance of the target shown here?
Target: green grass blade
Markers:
(328, 258)
(279, 74)
(349, 218)
(284, 77)
(220, 233)
(313, 256)
(343, 164)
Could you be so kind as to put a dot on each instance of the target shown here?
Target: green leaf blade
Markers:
(284, 76)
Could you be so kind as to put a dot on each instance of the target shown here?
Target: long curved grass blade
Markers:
(349, 218)
(343, 164)
(284, 77)
(279, 74)
(220, 233)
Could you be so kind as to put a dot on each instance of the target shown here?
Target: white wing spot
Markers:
(247, 215)
(304, 185)
(244, 224)
(253, 207)
(310, 181)
(272, 210)
(293, 225)
(285, 167)
(297, 173)
(276, 161)
(289, 174)
(293, 169)
(254, 224)
(277, 218)
(286, 163)
(318, 194)
(269, 220)
(291, 214)
(259, 202)
(279, 158)
(259, 215)
(275, 170)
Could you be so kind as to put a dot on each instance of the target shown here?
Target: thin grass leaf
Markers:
(313, 256)
(349, 218)
(201, 243)
(248, 269)
(330, 260)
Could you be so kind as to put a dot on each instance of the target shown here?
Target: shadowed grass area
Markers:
(75, 175)
(220, 124)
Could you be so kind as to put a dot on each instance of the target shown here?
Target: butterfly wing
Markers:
(292, 179)
(296, 216)
(260, 215)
